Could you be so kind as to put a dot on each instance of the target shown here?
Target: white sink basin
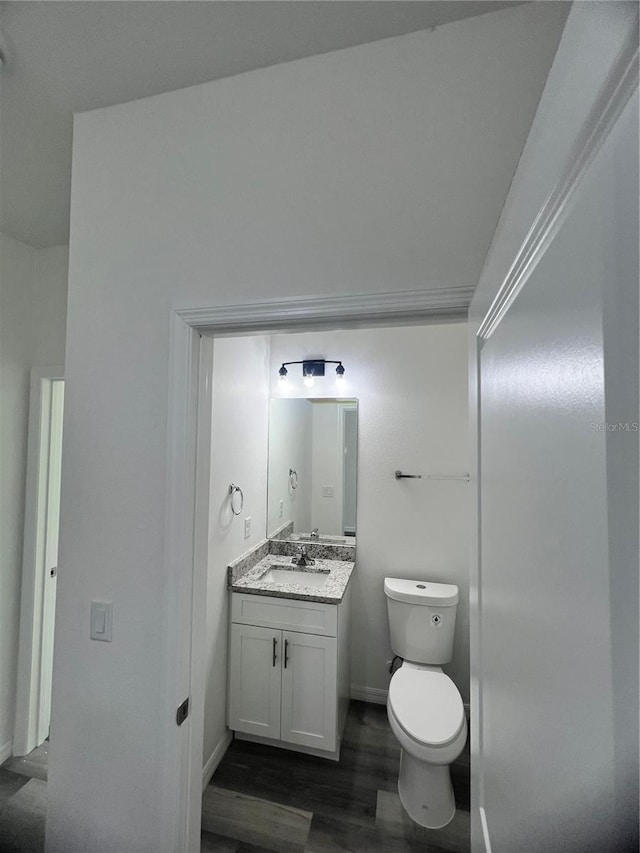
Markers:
(294, 576)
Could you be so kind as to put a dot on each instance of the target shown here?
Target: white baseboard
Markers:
(215, 758)
(369, 694)
(6, 751)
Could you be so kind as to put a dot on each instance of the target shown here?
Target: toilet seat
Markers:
(426, 705)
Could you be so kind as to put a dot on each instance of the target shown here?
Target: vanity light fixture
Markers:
(312, 368)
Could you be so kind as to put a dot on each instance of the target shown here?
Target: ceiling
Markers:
(66, 57)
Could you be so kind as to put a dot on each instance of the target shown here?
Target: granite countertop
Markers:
(332, 590)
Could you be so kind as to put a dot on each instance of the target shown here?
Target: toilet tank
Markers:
(422, 619)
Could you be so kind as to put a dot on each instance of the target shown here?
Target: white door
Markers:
(255, 680)
(309, 690)
(550, 659)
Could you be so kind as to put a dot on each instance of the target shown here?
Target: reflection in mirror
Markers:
(312, 470)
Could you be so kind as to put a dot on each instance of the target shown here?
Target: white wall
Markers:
(33, 285)
(411, 385)
(49, 306)
(239, 456)
(555, 709)
(340, 173)
(15, 299)
(290, 437)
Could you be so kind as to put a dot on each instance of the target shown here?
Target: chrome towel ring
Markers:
(293, 478)
(233, 491)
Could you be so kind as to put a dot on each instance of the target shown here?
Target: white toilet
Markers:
(425, 709)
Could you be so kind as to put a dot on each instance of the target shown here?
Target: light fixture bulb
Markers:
(283, 374)
(340, 374)
(308, 380)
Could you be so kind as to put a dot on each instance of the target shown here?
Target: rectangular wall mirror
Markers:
(312, 469)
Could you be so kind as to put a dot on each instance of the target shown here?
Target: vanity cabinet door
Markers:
(309, 701)
(255, 680)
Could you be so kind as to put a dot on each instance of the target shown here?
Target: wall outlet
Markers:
(247, 527)
(328, 491)
(280, 509)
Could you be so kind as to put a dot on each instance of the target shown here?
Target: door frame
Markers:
(187, 494)
(27, 718)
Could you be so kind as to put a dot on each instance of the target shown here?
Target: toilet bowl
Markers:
(426, 715)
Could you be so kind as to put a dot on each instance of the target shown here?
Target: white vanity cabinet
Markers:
(255, 680)
(289, 672)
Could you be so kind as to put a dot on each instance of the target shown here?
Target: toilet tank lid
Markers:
(421, 592)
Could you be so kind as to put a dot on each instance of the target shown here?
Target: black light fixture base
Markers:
(313, 367)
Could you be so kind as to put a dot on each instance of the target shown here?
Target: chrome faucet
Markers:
(302, 559)
(315, 534)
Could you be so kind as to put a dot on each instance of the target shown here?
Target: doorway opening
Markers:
(189, 449)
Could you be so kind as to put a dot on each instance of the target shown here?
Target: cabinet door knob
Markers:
(286, 649)
(275, 645)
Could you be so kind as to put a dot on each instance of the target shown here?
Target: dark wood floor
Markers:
(267, 799)
(263, 798)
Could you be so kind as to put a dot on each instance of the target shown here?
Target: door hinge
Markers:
(183, 712)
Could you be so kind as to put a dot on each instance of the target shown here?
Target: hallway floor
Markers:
(266, 799)
(23, 802)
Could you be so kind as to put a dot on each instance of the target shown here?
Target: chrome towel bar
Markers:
(400, 476)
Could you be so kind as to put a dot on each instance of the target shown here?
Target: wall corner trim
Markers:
(485, 830)
(619, 87)
(211, 764)
(6, 751)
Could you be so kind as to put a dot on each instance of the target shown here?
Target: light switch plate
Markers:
(281, 509)
(328, 491)
(101, 621)
(247, 527)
